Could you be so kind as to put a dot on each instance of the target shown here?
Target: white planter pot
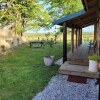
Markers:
(48, 60)
(93, 66)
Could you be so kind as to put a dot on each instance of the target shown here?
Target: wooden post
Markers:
(64, 42)
(98, 40)
(72, 39)
(95, 32)
(98, 28)
(80, 35)
(76, 38)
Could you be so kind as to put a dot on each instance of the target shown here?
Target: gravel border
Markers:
(60, 89)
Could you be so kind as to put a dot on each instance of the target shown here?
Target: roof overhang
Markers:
(69, 17)
(82, 18)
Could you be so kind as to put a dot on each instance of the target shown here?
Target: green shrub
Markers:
(50, 43)
(93, 57)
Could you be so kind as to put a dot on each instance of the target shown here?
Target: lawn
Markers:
(23, 73)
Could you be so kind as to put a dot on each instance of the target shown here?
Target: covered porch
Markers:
(76, 61)
(80, 54)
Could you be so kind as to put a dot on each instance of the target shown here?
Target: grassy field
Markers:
(87, 36)
(23, 73)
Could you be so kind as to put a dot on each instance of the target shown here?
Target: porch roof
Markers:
(82, 18)
(88, 4)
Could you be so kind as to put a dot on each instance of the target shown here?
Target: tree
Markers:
(59, 8)
(23, 14)
(28, 14)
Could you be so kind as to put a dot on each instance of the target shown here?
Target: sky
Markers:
(87, 29)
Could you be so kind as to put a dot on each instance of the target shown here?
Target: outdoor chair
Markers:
(92, 46)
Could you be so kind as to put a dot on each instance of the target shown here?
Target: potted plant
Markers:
(49, 59)
(93, 62)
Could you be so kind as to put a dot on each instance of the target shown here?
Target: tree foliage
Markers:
(29, 14)
(59, 8)
(23, 14)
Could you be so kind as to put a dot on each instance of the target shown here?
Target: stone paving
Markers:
(60, 89)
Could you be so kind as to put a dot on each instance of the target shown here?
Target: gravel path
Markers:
(60, 89)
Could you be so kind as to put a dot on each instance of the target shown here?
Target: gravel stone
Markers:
(61, 89)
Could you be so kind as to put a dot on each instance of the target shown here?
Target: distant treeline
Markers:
(87, 36)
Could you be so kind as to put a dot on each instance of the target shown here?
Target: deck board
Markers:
(77, 70)
(80, 53)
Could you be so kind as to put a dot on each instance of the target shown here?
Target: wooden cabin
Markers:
(75, 63)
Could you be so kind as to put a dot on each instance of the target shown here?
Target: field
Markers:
(23, 73)
(87, 36)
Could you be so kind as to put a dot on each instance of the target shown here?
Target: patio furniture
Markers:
(40, 44)
(92, 46)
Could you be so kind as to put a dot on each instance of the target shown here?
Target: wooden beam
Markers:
(64, 42)
(98, 27)
(92, 3)
(76, 38)
(86, 4)
(95, 31)
(72, 39)
(80, 35)
(98, 2)
(91, 23)
(83, 21)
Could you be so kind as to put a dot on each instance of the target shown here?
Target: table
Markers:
(41, 44)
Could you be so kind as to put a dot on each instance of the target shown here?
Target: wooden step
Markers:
(77, 79)
(77, 70)
(79, 62)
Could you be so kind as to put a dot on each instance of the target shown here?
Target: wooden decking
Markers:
(80, 53)
(77, 70)
(77, 63)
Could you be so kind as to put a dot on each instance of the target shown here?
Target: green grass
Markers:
(23, 73)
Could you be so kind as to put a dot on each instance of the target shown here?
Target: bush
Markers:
(95, 58)
(50, 43)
